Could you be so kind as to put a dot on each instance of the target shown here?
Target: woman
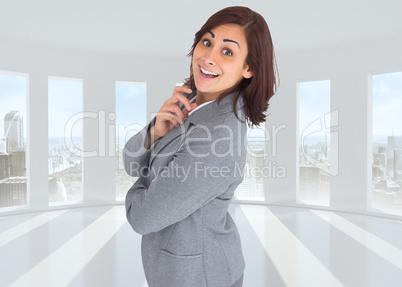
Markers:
(189, 159)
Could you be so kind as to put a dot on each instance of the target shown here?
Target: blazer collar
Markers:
(214, 109)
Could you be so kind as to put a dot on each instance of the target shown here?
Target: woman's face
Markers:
(219, 60)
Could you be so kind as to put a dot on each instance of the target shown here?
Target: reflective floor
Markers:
(283, 246)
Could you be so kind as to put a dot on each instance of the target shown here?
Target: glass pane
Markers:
(13, 181)
(65, 141)
(130, 119)
(387, 143)
(252, 186)
(314, 144)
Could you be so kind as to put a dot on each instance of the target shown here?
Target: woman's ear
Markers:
(247, 73)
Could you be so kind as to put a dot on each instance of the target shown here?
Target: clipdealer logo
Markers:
(329, 164)
(257, 165)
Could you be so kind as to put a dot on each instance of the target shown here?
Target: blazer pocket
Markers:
(168, 253)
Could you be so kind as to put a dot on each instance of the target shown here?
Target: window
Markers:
(314, 143)
(130, 119)
(387, 143)
(13, 141)
(65, 140)
(252, 186)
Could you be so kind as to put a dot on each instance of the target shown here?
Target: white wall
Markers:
(99, 73)
(349, 69)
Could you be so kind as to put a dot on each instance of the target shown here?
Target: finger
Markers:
(186, 112)
(177, 97)
(175, 112)
(167, 116)
(182, 99)
(174, 122)
(179, 114)
(193, 106)
(183, 89)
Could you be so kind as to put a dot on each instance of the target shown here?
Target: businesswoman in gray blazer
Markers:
(189, 159)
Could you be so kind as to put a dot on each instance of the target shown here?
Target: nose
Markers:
(210, 58)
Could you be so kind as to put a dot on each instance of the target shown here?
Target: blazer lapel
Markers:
(170, 136)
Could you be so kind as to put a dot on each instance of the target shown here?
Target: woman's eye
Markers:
(206, 43)
(227, 52)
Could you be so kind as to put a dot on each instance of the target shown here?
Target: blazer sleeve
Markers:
(200, 171)
(135, 155)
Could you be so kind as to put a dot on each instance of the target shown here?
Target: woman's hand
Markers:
(170, 115)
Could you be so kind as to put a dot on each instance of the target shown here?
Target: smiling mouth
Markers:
(208, 74)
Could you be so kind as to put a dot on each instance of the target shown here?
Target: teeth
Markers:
(208, 72)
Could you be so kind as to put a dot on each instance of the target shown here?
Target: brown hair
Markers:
(261, 59)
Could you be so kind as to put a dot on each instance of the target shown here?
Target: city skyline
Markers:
(13, 181)
(130, 108)
(65, 101)
(314, 103)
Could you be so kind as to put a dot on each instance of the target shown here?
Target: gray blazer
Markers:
(179, 202)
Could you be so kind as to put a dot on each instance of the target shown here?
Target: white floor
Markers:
(282, 247)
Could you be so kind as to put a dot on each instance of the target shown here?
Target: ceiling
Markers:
(159, 28)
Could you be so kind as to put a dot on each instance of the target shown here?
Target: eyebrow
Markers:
(228, 40)
(224, 40)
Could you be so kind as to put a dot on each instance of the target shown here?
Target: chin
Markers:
(203, 89)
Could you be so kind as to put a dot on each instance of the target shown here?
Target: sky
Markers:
(314, 103)
(387, 104)
(131, 104)
(65, 100)
(131, 108)
(13, 96)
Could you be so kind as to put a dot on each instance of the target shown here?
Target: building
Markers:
(387, 194)
(18, 166)
(5, 166)
(394, 142)
(314, 184)
(13, 132)
(13, 191)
